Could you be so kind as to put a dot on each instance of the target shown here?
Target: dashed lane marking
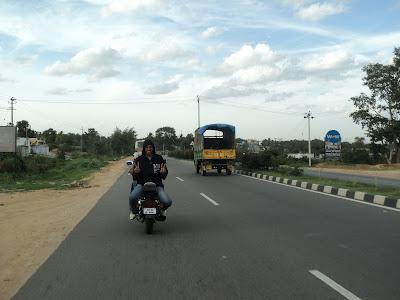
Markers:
(337, 287)
(209, 199)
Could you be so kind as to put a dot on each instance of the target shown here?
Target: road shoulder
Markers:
(33, 224)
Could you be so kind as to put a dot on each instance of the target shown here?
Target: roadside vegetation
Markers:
(71, 160)
(38, 172)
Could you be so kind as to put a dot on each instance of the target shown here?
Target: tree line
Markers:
(120, 142)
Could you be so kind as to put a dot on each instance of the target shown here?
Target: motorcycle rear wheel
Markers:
(149, 226)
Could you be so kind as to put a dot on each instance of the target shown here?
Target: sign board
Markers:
(7, 138)
(333, 144)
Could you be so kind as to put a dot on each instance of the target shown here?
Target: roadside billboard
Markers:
(333, 144)
(7, 138)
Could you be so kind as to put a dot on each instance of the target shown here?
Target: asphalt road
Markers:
(260, 242)
(373, 180)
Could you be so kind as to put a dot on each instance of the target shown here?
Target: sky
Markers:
(258, 65)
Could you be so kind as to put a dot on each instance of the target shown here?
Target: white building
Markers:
(23, 146)
(300, 155)
(26, 146)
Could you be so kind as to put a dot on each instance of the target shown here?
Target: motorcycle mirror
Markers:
(129, 163)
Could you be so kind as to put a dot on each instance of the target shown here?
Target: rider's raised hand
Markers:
(163, 169)
(137, 168)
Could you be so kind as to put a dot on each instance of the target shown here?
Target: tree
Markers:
(123, 142)
(379, 113)
(24, 129)
(185, 141)
(50, 136)
(166, 137)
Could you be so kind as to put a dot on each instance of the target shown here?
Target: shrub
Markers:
(39, 163)
(292, 171)
(356, 157)
(12, 165)
(296, 171)
(183, 154)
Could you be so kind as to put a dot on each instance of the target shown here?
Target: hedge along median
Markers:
(389, 199)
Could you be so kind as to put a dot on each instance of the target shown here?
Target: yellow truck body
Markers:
(219, 154)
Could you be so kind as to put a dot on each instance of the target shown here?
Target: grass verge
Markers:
(64, 175)
(351, 185)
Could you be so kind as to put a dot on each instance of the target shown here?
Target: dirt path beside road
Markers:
(372, 171)
(33, 224)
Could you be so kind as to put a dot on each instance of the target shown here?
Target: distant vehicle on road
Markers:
(138, 148)
(214, 148)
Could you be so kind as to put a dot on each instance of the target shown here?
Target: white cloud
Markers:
(318, 11)
(166, 87)
(5, 79)
(225, 90)
(211, 32)
(193, 63)
(164, 51)
(247, 56)
(64, 91)
(214, 48)
(330, 61)
(97, 2)
(278, 97)
(255, 74)
(26, 59)
(162, 88)
(97, 63)
(131, 6)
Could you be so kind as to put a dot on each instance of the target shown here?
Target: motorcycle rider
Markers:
(148, 167)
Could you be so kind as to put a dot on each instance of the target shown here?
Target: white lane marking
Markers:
(180, 179)
(337, 287)
(209, 199)
(322, 193)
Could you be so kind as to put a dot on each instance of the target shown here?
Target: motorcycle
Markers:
(150, 207)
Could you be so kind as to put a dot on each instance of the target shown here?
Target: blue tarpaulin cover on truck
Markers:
(203, 129)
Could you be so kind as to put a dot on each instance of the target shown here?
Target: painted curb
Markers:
(354, 195)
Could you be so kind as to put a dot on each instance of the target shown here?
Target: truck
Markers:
(214, 148)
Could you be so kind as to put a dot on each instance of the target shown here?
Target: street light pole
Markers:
(12, 100)
(309, 116)
(198, 111)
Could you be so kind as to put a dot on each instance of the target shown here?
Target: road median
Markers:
(362, 196)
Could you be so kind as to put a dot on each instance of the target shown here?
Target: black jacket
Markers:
(150, 168)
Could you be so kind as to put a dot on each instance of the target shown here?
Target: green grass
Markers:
(351, 185)
(60, 177)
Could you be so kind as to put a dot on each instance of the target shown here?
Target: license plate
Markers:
(149, 210)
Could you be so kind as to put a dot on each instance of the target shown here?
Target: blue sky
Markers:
(259, 65)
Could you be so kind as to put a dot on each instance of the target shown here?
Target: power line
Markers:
(107, 102)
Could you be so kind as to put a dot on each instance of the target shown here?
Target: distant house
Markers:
(254, 146)
(26, 146)
(41, 149)
(23, 146)
(300, 155)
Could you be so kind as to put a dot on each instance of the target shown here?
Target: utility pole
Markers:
(198, 111)
(309, 116)
(82, 140)
(12, 100)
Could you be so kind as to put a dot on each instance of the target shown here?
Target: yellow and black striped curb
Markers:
(360, 196)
